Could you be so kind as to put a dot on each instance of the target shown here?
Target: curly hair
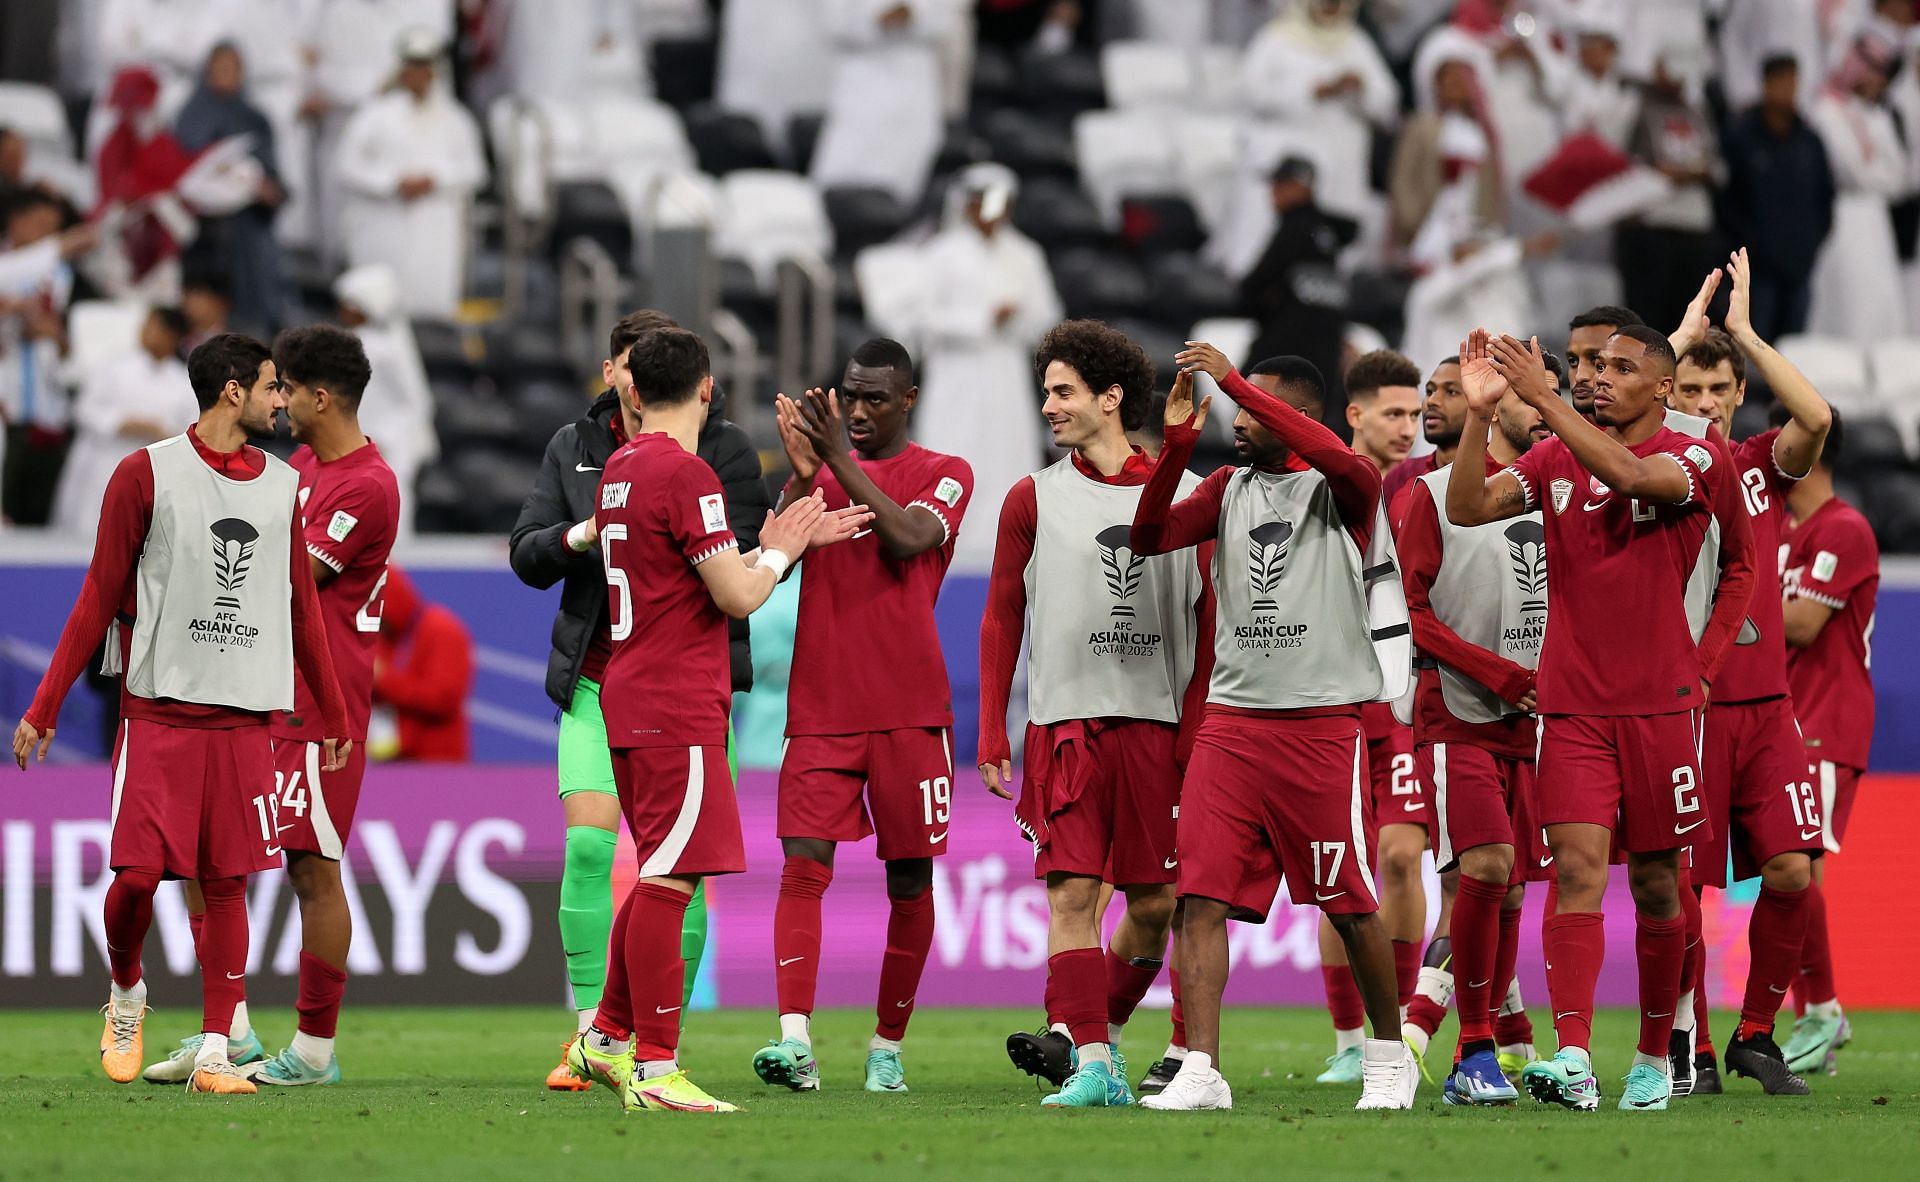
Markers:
(1104, 357)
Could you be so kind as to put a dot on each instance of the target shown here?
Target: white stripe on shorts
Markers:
(662, 860)
(1357, 816)
(120, 773)
(324, 834)
(1446, 854)
(946, 749)
(1829, 790)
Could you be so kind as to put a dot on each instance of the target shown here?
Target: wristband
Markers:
(577, 538)
(775, 561)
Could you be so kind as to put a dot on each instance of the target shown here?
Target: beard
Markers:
(1520, 441)
(261, 430)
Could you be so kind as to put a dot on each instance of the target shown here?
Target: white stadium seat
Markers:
(766, 215)
(1837, 368)
(1895, 365)
(1206, 150)
(1148, 74)
(98, 330)
(38, 115)
(1124, 154)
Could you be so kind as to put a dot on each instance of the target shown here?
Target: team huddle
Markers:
(1560, 642)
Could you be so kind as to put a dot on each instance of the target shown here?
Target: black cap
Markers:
(1293, 168)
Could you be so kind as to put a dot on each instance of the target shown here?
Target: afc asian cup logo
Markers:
(1121, 566)
(1267, 547)
(233, 541)
(1527, 550)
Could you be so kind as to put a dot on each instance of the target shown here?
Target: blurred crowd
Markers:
(1316, 177)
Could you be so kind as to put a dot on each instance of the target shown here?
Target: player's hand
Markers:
(837, 525)
(1740, 294)
(591, 531)
(998, 778)
(789, 530)
(334, 753)
(801, 457)
(1482, 380)
(26, 738)
(1180, 408)
(1525, 371)
(1694, 324)
(821, 423)
(1529, 702)
(1198, 355)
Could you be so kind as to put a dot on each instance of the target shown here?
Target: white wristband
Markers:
(776, 561)
(577, 538)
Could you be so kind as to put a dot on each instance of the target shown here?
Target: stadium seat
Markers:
(1896, 383)
(478, 420)
(38, 115)
(439, 501)
(996, 81)
(726, 141)
(443, 351)
(1148, 74)
(764, 216)
(1159, 225)
(1207, 160)
(1836, 367)
(1185, 290)
(1873, 446)
(961, 147)
(1057, 215)
(803, 134)
(98, 330)
(1217, 78)
(517, 353)
(492, 485)
(1101, 284)
(542, 407)
(863, 216)
(683, 70)
(1893, 505)
(1030, 145)
(590, 209)
(1067, 83)
(1160, 341)
(890, 288)
(1122, 154)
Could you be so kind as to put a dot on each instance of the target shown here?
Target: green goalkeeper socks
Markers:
(586, 910)
(693, 943)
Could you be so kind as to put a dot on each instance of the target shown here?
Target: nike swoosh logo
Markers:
(1414, 806)
(790, 960)
(1480, 984)
(1318, 897)
(1668, 1014)
(584, 468)
(937, 838)
(1169, 864)
(235, 976)
(1776, 989)
(1590, 506)
(1810, 836)
(1566, 1014)
(1546, 861)
(901, 1005)
(1680, 830)
(665, 1009)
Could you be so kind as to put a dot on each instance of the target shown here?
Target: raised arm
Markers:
(1799, 442)
(1657, 479)
(1159, 525)
(1473, 497)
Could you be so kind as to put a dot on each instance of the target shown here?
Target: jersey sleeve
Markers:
(344, 520)
(1757, 452)
(1837, 562)
(1532, 471)
(696, 512)
(1005, 618)
(946, 493)
(1706, 468)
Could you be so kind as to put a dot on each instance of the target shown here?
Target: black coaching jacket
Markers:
(566, 492)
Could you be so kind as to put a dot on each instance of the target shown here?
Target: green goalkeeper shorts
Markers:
(586, 765)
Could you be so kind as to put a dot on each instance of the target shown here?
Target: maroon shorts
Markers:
(1398, 789)
(1268, 798)
(1479, 798)
(1758, 788)
(1100, 798)
(1836, 784)
(316, 806)
(681, 810)
(896, 785)
(1639, 777)
(193, 802)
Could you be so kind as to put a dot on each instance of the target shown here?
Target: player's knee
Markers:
(1152, 911)
(1450, 884)
(139, 879)
(811, 848)
(908, 878)
(589, 853)
(1789, 873)
(1072, 895)
(1516, 897)
(1488, 863)
(1656, 887)
(1400, 849)
(1197, 913)
(313, 878)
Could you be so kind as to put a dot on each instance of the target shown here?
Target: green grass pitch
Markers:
(458, 1093)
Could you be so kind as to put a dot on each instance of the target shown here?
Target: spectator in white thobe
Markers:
(127, 402)
(1315, 71)
(988, 298)
(1594, 97)
(776, 61)
(409, 163)
(886, 112)
(396, 411)
(1857, 288)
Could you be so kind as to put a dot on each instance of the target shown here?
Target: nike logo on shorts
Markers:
(579, 467)
(1814, 836)
(1546, 861)
(1320, 898)
(1414, 806)
(937, 838)
(1680, 830)
(1169, 864)
(790, 960)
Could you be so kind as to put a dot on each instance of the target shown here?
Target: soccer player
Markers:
(1625, 504)
(675, 575)
(1442, 417)
(1832, 575)
(1275, 786)
(1587, 336)
(869, 714)
(1477, 600)
(349, 512)
(1109, 675)
(554, 541)
(1752, 757)
(1384, 408)
(214, 615)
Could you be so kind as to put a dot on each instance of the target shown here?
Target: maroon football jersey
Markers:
(350, 509)
(1756, 665)
(661, 515)
(1832, 558)
(866, 653)
(1617, 641)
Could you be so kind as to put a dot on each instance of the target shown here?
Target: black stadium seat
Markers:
(803, 134)
(996, 81)
(1157, 225)
(726, 141)
(1161, 341)
(476, 420)
(492, 484)
(683, 70)
(863, 216)
(1873, 444)
(1057, 215)
(1184, 290)
(1066, 83)
(1030, 145)
(590, 209)
(1893, 505)
(1104, 285)
(542, 407)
